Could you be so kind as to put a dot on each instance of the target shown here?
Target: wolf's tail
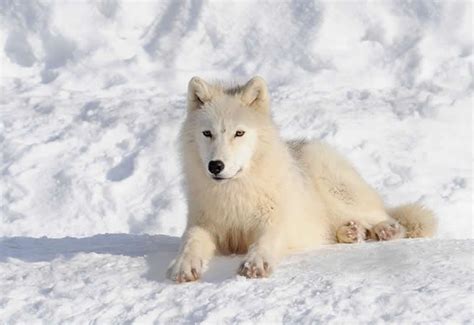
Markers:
(417, 220)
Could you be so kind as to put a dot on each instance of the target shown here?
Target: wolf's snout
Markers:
(215, 166)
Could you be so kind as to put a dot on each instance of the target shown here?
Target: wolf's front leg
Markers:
(262, 255)
(197, 248)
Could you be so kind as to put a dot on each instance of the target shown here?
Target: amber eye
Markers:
(239, 133)
(207, 133)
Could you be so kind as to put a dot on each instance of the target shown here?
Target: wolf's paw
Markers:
(185, 269)
(255, 267)
(352, 232)
(388, 230)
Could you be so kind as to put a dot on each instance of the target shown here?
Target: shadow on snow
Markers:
(158, 251)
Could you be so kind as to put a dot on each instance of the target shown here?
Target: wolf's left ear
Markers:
(255, 94)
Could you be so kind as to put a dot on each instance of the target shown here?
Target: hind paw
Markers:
(352, 232)
(388, 230)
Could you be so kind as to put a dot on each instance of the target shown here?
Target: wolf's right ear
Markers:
(199, 92)
(255, 94)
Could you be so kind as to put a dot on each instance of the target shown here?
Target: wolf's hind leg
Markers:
(387, 230)
(351, 232)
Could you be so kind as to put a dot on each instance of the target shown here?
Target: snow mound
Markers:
(93, 93)
(120, 279)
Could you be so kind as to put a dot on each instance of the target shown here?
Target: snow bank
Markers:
(101, 44)
(107, 279)
(92, 96)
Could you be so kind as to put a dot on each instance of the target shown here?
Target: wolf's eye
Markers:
(207, 134)
(239, 133)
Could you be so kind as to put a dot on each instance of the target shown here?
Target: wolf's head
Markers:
(223, 125)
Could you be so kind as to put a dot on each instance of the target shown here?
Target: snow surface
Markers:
(92, 95)
(120, 279)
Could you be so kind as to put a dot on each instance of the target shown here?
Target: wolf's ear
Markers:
(255, 94)
(199, 92)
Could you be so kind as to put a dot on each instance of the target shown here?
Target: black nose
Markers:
(216, 166)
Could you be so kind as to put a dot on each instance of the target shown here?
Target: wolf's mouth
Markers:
(219, 179)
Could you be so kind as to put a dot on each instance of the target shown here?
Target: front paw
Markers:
(255, 267)
(185, 269)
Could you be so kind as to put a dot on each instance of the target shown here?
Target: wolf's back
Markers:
(418, 220)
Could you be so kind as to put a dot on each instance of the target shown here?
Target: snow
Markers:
(120, 279)
(92, 95)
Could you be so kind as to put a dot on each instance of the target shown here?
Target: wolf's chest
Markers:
(243, 208)
(236, 218)
(234, 240)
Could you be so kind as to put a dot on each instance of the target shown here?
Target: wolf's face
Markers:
(224, 126)
(226, 140)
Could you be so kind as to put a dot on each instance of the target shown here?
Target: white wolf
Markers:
(250, 192)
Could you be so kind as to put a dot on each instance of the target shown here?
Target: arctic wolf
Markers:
(250, 192)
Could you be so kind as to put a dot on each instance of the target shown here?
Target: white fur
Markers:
(276, 196)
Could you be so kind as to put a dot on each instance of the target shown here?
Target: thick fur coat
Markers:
(249, 192)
